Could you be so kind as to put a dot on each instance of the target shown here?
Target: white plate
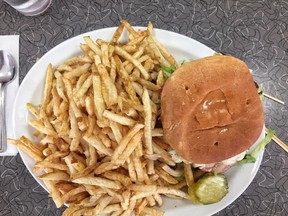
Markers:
(183, 48)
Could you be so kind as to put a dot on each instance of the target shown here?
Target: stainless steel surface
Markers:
(7, 73)
(30, 7)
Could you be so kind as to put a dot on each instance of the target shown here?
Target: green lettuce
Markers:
(168, 70)
(251, 158)
(247, 159)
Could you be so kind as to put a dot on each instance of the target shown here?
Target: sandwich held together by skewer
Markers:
(211, 111)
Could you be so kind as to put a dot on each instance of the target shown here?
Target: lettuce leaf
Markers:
(247, 159)
(261, 146)
(251, 158)
(168, 70)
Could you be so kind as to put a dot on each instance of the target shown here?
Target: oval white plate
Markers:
(183, 48)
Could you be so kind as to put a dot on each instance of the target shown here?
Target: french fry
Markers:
(113, 70)
(142, 194)
(131, 147)
(55, 176)
(98, 181)
(117, 34)
(148, 129)
(138, 167)
(116, 131)
(84, 88)
(94, 191)
(171, 191)
(164, 51)
(148, 64)
(153, 212)
(123, 120)
(68, 160)
(56, 102)
(54, 193)
(70, 210)
(116, 176)
(150, 28)
(27, 150)
(129, 48)
(129, 28)
(165, 176)
(33, 110)
(65, 186)
(149, 85)
(89, 105)
(109, 85)
(143, 188)
(56, 155)
(105, 54)
(69, 91)
(113, 194)
(78, 59)
(31, 145)
(157, 52)
(64, 67)
(97, 144)
(125, 78)
(130, 58)
(77, 72)
(172, 172)
(102, 136)
(179, 185)
(131, 170)
(188, 174)
(74, 132)
(128, 211)
(85, 172)
(47, 164)
(104, 167)
(136, 40)
(103, 202)
(48, 86)
(125, 140)
(157, 132)
(93, 46)
(81, 80)
(60, 85)
(99, 104)
(111, 208)
(74, 192)
(40, 127)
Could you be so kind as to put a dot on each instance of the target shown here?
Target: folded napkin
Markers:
(10, 43)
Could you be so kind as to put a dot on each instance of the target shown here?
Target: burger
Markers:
(211, 112)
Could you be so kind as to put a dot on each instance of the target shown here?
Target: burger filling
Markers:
(218, 167)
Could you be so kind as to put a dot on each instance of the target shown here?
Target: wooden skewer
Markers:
(279, 142)
(273, 98)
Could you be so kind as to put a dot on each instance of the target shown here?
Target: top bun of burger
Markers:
(210, 109)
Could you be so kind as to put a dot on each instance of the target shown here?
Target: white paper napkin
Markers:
(10, 43)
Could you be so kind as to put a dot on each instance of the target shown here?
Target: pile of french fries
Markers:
(100, 151)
